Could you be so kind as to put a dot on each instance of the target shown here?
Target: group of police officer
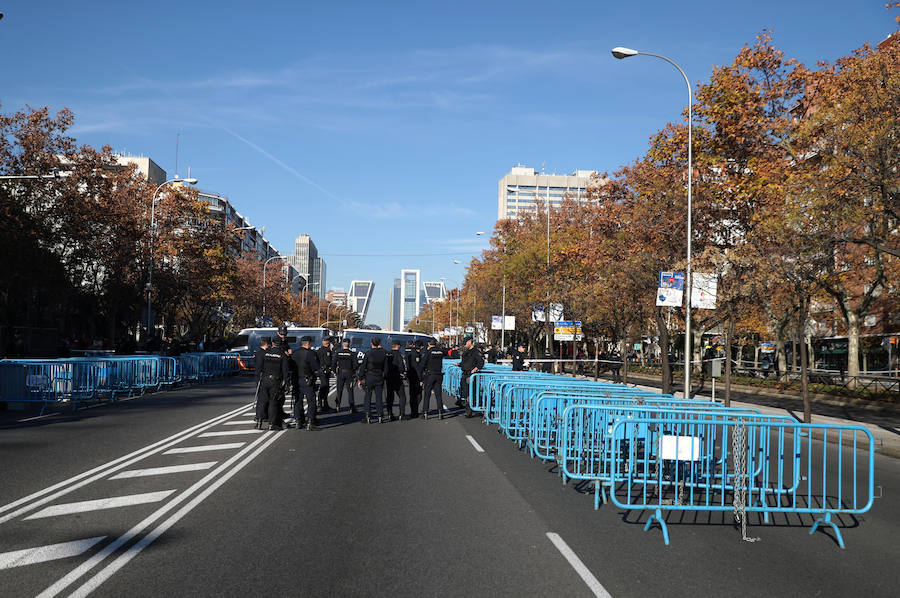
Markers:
(307, 373)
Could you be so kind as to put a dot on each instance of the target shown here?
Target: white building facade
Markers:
(521, 190)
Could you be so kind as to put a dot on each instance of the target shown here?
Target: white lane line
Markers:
(42, 554)
(240, 422)
(229, 433)
(112, 502)
(110, 548)
(204, 448)
(475, 444)
(123, 559)
(595, 586)
(140, 473)
(99, 472)
(37, 417)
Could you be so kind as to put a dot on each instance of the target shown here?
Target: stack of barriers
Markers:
(648, 451)
(105, 377)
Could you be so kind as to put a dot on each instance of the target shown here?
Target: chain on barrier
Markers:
(741, 478)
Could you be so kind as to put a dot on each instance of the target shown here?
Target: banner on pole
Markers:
(703, 291)
(497, 323)
(671, 289)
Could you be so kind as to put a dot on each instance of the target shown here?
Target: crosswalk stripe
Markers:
(204, 448)
(42, 554)
(112, 502)
(140, 473)
(240, 422)
(229, 433)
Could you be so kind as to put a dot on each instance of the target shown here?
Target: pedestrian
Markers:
(345, 363)
(396, 374)
(547, 366)
(615, 365)
(307, 372)
(259, 357)
(518, 359)
(432, 378)
(492, 354)
(414, 376)
(272, 366)
(470, 362)
(372, 372)
(325, 355)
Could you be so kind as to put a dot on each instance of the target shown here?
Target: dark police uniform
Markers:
(394, 382)
(414, 376)
(325, 355)
(492, 355)
(372, 372)
(280, 340)
(518, 361)
(471, 359)
(272, 368)
(345, 362)
(432, 378)
(307, 371)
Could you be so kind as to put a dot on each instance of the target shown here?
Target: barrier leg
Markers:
(657, 516)
(599, 494)
(826, 520)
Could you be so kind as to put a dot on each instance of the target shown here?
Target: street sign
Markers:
(670, 291)
(703, 291)
(537, 314)
(556, 312)
(566, 330)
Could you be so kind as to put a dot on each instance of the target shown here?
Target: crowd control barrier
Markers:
(78, 379)
(651, 452)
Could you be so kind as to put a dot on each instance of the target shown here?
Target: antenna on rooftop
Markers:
(177, 136)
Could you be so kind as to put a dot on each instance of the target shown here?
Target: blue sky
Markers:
(383, 128)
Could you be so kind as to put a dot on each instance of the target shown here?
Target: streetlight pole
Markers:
(621, 53)
(266, 265)
(191, 181)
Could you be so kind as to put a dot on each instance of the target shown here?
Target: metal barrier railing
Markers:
(76, 379)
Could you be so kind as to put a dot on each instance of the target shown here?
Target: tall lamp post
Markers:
(266, 265)
(621, 53)
(177, 179)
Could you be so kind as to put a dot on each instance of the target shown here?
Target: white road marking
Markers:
(229, 433)
(110, 548)
(140, 473)
(580, 568)
(37, 417)
(62, 488)
(475, 444)
(203, 449)
(123, 559)
(240, 422)
(42, 554)
(112, 502)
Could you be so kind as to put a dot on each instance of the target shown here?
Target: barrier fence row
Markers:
(651, 452)
(78, 379)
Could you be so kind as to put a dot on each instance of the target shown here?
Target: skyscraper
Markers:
(396, 300)
(523, 188)
(411, 295)
(434, 291)
(359, 297)
(307, 262)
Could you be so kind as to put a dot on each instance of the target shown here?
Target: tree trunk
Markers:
(804, 364)
(623, 354)
(729, 332)
(852, 347)
(663, 351)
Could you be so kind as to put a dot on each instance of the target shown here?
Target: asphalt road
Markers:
(399, 509)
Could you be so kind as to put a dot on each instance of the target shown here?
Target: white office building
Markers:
(522, 189)
(434, 291)
(407, 298)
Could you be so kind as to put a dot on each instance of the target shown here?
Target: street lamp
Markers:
(190, 181)
(265, 265)
(621, 53)
(54, 172)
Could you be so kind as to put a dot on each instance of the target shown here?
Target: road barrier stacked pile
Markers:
(647, 451)
(108, 377)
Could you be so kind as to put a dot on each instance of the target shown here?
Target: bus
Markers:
(247, 340)
(361, 340)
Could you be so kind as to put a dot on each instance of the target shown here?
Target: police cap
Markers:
(282, 329)
(418, 344)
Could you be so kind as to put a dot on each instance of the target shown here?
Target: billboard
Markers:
(703, 291)
(670, 291)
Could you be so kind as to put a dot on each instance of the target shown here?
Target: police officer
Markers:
(470, 362)
(394, 380)
(414, 376)
(432, 378)
(492, 354)
(258, 360)
(281, 342)
(345, 362)
(518, 358)
(547, 366)
(307, 371)
(273, 375)
(373, 370)
(325, 355)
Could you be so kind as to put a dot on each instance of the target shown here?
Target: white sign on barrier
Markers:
(680, 448)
